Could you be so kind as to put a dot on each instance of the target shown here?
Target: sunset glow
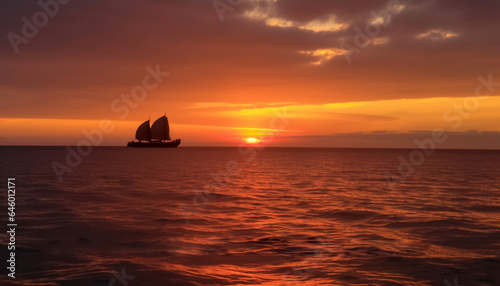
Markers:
(219, 88)
(251, 140)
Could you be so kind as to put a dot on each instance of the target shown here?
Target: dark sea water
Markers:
(217, 216)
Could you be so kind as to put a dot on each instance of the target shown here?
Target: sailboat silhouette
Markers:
(158, 135)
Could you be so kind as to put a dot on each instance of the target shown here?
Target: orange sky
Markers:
(418, 70)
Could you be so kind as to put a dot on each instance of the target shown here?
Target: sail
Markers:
(160, 129)
(143, 132)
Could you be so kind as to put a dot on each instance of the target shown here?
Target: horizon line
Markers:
(236, 146)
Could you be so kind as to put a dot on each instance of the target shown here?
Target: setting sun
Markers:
(252, 140)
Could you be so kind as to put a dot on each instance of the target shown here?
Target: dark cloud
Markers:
(390, 139)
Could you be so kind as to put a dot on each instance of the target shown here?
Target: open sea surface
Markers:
(277, 216)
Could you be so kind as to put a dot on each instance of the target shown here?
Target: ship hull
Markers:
(169, 144)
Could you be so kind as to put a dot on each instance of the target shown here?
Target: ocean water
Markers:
(277, 216)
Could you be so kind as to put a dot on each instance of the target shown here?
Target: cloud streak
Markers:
(391, 139)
